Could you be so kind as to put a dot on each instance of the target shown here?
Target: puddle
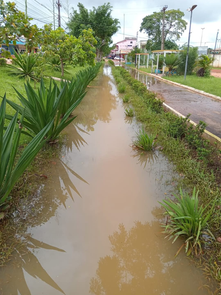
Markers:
(98, 230)
(201, 107)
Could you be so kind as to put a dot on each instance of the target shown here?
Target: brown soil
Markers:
(216, 73)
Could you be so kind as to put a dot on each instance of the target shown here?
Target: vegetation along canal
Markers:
(100, 232)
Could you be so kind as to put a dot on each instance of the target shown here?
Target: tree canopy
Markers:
(14, 24)
(99, 20)
(174, 26)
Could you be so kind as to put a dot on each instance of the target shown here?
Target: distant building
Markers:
(124, 47)
(202, 50)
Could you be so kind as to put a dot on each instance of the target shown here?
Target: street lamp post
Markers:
(191, 12)
(201, 41)
(162, 39)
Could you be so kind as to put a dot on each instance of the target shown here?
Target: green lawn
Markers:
(210, 85)
(70, 71)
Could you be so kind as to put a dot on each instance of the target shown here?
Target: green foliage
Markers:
(144, 141)
(15, 24)
(174, 25)
(121, 88)
(205, 62)
(111, 63)
(192, 56)
(187, 219)
(44, 107)
(172, 61)
(10, 169)
(2, 61)
(168, 44)
(177, 126)
(24, 65)
(126, 98)
(129, 112)
(6, 54)
(76, 88)
(99, 20)
(133, 52)
(69, 48)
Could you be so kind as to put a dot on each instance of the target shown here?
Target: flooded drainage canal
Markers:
(99, 230)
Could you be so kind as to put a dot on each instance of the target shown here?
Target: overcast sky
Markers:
(206, 15)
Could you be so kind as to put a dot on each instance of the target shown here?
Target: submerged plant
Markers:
(10, 169)
(144, 141)
(187, 219)
(126, 98)
(129, 112)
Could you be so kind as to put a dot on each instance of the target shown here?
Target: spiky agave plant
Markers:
(187, 219)
(25, 65)
(10, 169)
(42, 107)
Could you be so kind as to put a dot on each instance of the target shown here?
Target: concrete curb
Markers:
(207, 135)
(183, 86)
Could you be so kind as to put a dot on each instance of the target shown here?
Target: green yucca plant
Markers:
(44, 106)
(187, 219)
(9, 142)
(129, 112)
(25, 65)
(144, 141)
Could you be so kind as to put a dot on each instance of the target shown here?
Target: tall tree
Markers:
(99, 20)
(174, 26)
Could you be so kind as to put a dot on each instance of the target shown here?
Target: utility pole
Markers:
(162, 40)
(53, 11)
(26, 8)
(124, 27)
(216, 39)
(201, 41)
(59, 13)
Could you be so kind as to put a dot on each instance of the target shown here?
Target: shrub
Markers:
(111, 62)
(2, 61)
(204, 63)
(187, 219)
(121, 88)
(172, 61)
(24, 65)
(192, 56)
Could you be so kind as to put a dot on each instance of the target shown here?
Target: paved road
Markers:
(187, 102)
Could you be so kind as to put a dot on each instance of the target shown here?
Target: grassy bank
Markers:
(197, 162)
(210, 84)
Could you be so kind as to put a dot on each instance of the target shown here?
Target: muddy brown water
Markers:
(200, 107)
(97, 230)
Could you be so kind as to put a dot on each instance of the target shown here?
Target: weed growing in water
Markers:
(126, 98)
(144, 141)
(121, 88)
(188, 219)
(129, 112)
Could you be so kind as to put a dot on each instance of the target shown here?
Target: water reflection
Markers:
(76, 139)
(93, 109)
(143, 157)
(143, 263)
(22, 261)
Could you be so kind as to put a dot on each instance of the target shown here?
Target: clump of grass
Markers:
(121, 88)
(129, 112)
(187, 219)
(144, 141)
(126, 98)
